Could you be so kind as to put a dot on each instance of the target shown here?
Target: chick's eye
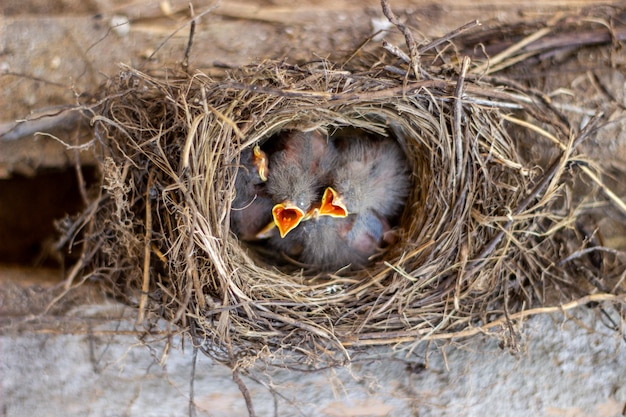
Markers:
(302, 203)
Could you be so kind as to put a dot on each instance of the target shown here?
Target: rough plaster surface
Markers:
(572, 366)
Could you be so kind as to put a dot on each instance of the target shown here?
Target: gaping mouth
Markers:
(287, 217)
(332, 205)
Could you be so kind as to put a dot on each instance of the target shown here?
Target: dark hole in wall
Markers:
(29, 206)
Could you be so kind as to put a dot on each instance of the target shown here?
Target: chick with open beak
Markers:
(252, 207)
(370, 184)
(372, 176)
(300, 169)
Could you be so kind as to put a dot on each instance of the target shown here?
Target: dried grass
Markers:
(487, 233)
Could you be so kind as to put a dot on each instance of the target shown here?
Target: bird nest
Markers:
(480, 240)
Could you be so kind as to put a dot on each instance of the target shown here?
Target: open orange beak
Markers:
(332, 205)
(287, 217)
(260, 162)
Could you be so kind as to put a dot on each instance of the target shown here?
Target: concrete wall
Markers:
(569, 366)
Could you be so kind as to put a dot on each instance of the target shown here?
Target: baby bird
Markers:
(322, 242)
(369, 187)
(372, 176)
(251, 210)
(300, 168)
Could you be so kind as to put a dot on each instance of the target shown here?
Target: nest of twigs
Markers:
(480, 240)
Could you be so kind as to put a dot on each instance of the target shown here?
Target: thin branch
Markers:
(458, 117)
(145, 286)
(245, 392)
(65, 118)
(586, 251)
(390, 338)
(510, 51)
(408, 37)
(449, 36)
(192, 29)
(192, 404)
(181, 27)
